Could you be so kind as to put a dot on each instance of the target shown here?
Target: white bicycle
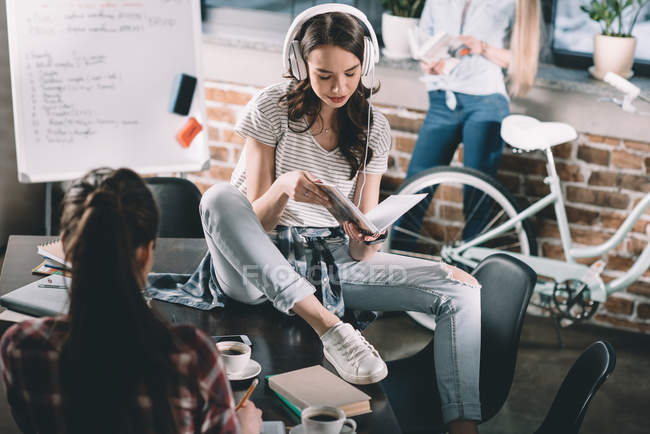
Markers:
(470, 215)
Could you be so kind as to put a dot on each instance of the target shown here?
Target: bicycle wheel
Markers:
(463, 204)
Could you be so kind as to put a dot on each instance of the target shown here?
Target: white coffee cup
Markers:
(235, 355)
(326, 420)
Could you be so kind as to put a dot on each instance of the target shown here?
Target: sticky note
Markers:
(191, 128)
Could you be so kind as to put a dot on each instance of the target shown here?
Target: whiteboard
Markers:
(92, 84)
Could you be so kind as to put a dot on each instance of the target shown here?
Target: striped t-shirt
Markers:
(264, 120)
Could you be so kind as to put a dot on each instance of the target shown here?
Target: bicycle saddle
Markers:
(529, 134)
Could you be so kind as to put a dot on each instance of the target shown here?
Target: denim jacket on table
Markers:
(201, 290)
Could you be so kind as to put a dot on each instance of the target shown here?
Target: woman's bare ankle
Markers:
(460, 426)
(315, 314)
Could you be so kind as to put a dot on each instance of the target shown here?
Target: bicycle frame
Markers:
(571, 253)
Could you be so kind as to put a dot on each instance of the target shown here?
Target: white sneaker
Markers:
(354, 358)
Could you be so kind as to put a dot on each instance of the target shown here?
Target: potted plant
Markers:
(399, 16)
(614, 46)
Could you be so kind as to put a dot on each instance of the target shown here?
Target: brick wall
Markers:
(602, 179)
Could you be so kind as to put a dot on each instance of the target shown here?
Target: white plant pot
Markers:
(613, 54)
(395, 31)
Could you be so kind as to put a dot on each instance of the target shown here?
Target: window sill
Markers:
(251, 55)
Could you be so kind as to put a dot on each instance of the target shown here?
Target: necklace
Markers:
(323, 128)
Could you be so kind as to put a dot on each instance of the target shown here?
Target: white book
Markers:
(273, 427)
(431, 49)
(378, 219)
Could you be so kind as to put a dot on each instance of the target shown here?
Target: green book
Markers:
(316, 386)
(285, 401)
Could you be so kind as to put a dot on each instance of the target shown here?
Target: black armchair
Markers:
(507, 284)
(178, 200)
(580, 384)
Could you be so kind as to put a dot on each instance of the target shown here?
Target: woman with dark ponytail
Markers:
(111, 365)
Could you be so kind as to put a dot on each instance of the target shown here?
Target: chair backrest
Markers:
(178, 200)
(580, 384)
(507, 284)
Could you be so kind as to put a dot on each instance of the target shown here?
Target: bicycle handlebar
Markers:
(624, 86)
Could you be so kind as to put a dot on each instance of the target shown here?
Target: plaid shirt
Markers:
(29, 357)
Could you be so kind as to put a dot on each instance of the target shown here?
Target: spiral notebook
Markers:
(53, 251)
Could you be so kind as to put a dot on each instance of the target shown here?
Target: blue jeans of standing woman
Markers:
(476, 122)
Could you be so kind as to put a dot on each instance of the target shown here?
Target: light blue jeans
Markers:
(250, 269)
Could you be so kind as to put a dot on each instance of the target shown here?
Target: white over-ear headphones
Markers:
(292, 54)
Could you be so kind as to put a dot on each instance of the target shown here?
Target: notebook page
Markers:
(392, 208)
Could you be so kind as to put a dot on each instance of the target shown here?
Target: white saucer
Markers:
(251, 370)
(299, 429)
(597, 74)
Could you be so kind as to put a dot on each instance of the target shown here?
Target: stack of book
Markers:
(53, 260)
(315, 386)
(45, 297)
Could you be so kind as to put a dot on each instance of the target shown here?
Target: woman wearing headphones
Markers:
(278, 242)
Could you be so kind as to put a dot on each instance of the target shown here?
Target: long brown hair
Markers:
(524, 44)
(116, 346)
(341, 30)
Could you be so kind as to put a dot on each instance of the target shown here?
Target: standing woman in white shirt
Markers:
(468, 103)
(271, 237)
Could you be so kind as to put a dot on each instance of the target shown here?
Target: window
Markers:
(257, 19)
(573, 36)
(292, 7)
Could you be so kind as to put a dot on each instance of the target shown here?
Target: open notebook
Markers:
(45, 297)
(376, 220)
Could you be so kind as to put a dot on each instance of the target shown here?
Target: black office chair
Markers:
(178, 200)
(580, 384)
(507, 284)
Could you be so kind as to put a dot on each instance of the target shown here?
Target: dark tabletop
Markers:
(280, 343)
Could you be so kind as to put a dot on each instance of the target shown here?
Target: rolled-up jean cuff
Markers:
(464, 411)
(296, 291)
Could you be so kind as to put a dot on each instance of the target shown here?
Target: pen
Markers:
(248, 394)
(43, 285)
(56, 267)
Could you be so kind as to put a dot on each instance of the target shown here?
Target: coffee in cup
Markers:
(235, 355)
(326, 420)
(232, 352)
